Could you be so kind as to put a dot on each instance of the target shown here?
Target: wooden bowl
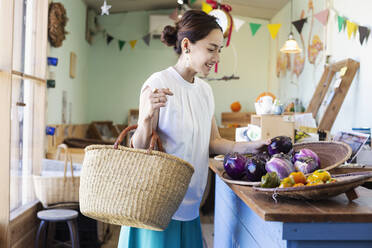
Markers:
(331, 154)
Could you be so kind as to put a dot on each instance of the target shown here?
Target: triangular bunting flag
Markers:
(206, 7)
(146, 39)
(341, 23)
(121, 44)
(273, 29)
(238, 23)
(299, 24)
(363, 34)
(254, 27)
(133, 43)
(109, 38)
(351, 28)
(322, 16)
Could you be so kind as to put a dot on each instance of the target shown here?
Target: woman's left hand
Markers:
(258, 145)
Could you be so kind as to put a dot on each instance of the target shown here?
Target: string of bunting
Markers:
(109, 38)
(343, 23)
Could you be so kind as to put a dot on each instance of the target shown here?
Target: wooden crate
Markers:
(274, 125)
(235, 118)
(227, 133)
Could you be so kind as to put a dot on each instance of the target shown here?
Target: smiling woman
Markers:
(180, 107)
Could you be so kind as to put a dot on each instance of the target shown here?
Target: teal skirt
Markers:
(179, 234)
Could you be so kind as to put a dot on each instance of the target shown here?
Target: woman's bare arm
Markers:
(218, 145)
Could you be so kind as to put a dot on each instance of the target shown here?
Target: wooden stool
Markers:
(58, 215)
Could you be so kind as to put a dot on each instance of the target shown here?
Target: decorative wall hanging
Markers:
(105, 8)
(314, 49)
(57, 20)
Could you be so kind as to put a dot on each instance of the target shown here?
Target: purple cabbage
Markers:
(306, 153)
(306, 165)
(280, 164)
(280, 144)
(234, 164)
(255, 169)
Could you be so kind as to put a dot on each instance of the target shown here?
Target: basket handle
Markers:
(154, 138)
(67, 157)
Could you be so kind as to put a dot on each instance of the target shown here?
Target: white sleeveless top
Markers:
(184, 128)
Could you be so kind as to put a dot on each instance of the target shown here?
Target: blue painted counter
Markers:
(244, 218)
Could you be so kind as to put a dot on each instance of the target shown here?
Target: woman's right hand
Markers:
(152, 100)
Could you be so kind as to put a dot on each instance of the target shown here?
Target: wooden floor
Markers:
(207, 229)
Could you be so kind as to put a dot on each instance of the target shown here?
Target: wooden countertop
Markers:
(336, 209)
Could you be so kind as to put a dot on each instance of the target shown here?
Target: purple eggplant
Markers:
(305, 152)
(234, 165)
(255, 169)
(306, 165)
(281, 164)
(280, 144)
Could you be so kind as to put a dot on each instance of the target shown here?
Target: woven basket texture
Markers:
(132, 187)
(54, 189)
(58, 189)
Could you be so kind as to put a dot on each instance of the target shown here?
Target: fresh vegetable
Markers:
(315, 182)
(255, 169)
(298, 185)
(287, 182)
(263, 156)
(332, 180)
(298, 177)
(281, 165)
(280, 144)
(311, 179)
(306, 164)
(270, 180)
(234, 165)
(322, 175)
(235, 107)
(304, 153)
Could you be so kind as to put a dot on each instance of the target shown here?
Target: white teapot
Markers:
(264, 105)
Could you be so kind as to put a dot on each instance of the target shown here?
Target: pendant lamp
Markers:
(291, 46)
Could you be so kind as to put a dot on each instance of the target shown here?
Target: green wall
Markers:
(109, 80)
(77, 88)
(115, 77)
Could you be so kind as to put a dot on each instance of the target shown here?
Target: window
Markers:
(23, 68)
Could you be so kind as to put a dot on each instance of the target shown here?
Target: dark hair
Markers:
(194, 25)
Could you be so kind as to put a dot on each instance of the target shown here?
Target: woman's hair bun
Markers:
(169, 35)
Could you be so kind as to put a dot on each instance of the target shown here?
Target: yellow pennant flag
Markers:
(133, 43)
(274, 29)
(206, 7)
(351, 28)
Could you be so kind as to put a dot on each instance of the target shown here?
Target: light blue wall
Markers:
(115, 77)
(109, 80)
(76, 88)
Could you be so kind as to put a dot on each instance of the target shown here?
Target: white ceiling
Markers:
(264, 9)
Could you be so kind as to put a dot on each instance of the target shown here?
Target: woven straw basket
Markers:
(331, 154)
(132, 187)
(58, 189)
